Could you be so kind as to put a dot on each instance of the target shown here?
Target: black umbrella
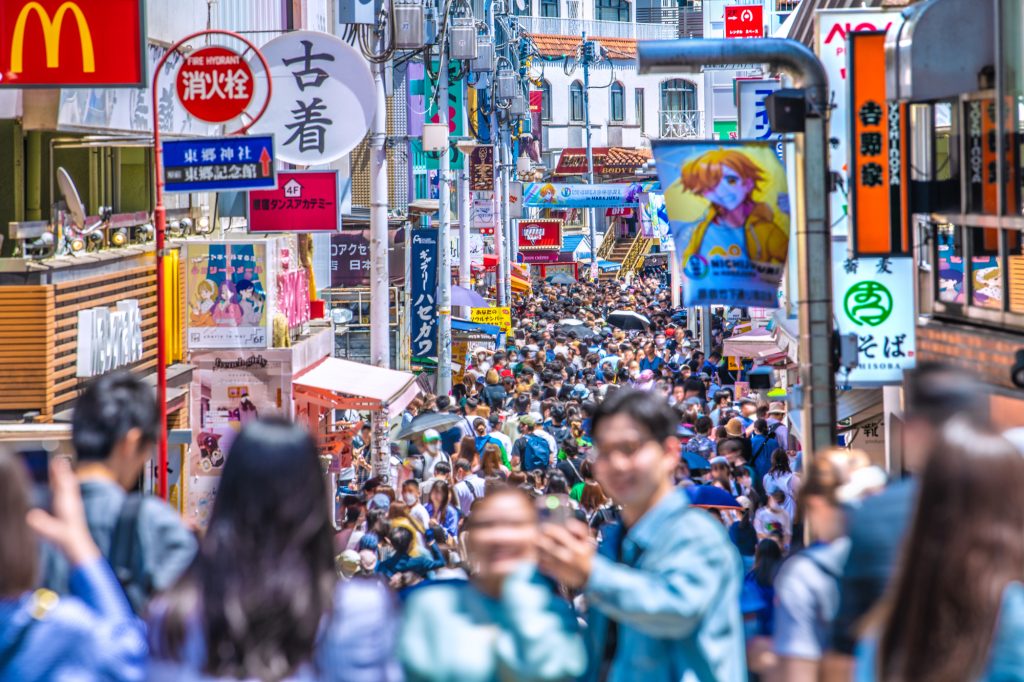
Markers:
(581, 331)
(439, 421)
(628, 320)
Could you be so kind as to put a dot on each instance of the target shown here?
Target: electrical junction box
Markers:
(484, 62)
(518, 106)
(462, 40)
(505, 84)
(358, 11)
(408, 26)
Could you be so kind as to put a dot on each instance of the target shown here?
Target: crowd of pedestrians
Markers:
(603, 502)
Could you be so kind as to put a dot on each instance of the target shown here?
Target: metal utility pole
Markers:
(501, 268)
(380, 308)
(444, 228)
(506, 219)
(814, 247)
(465, 209)
(588, 55)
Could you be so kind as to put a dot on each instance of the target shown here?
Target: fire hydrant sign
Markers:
(499, 317)
(214, 84)
(219, 164)
(304, 201)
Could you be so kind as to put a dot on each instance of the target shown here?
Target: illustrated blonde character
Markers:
(547, 194)
(202, 312)
(735, 225)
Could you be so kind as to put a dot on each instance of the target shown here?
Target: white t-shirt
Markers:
(420, 513)
(468, 490)
(429, 461)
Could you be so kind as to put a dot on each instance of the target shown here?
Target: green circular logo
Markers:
(868, 303)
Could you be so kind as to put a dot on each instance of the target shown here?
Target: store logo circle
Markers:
(868, 303)
(696, 267)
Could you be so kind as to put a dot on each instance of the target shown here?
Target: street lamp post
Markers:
(591, 212)
(444, 214)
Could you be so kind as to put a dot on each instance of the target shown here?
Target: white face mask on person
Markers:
(410, 499)
(433, 447)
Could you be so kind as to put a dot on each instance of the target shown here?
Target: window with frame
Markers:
(549, 8)
(545, 101)
(678, 95)
(617, 93)
(612, 10)
(576, 101)
(638, 96)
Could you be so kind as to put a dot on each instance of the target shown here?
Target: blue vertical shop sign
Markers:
(423, 274)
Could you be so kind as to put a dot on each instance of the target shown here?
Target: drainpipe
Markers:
(811, 210)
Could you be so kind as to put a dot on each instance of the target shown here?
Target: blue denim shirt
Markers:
(674, 593)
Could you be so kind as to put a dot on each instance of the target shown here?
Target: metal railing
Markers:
(634, 259)
(681, 124)
(597, 29)
(607, 246)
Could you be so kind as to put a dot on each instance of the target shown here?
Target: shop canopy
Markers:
(759, 344)
(346, 385)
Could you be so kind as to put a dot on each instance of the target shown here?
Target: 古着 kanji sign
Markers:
(214, 84)
(423, 291)
(304, 201)
(72, 43)
(219, 164)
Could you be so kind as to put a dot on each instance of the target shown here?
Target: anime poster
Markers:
(985, 270)
(227, 393)
(226, 294)
(654, 220)
(728, 209)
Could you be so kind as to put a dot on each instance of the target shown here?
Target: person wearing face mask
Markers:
(432, 452)
(507, 620)
(411, 497)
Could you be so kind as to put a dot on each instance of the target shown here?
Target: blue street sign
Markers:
(219, 164)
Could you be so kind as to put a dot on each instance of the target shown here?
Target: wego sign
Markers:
(71, 43)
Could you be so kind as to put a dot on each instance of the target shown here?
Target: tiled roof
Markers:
(559, 46)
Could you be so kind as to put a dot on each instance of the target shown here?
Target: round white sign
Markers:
(323, 99)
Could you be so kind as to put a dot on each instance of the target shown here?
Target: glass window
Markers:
(576, 101)
(950, 259)
(612, 10)
(545, 101)
(618, 103)
(638, 96)
(986, 273)
(678, 95)
(549, 8)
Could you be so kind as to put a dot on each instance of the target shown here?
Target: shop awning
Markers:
(759, 344)
(475, 327)
(344, 384)
(852, 407)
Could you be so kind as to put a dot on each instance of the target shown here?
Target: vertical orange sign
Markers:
(871, 227)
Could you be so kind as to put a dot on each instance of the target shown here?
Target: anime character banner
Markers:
(226, 294)
(728, 210)
(562, 195)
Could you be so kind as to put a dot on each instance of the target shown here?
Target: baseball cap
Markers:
(430, 436)
(719, 460)
(527, 420)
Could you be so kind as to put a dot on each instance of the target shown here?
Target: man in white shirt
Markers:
(497, 434)
(411, 497)
(468, 486)
(432, 452)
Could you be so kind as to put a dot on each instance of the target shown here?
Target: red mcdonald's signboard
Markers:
(72, 43)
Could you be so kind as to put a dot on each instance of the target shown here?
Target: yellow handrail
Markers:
(607, 246)
(635, 256)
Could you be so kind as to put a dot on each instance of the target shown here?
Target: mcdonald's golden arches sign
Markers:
(72, 43)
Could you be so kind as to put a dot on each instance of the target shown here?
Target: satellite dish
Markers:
(521, 5)
(71, 198)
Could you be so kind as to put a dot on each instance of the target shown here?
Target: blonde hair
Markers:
(702, 174)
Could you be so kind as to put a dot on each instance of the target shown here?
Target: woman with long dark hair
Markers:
(441, 510)
(261, 600)
(955, 611)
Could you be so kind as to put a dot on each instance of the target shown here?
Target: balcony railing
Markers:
(681, 124)
(597, 29)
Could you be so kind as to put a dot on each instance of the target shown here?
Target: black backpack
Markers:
(124, 554)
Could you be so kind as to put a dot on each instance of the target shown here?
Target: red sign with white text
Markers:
(304, 201)
(744, 21)
(537, 235)
(540, 256)
(72, 43)
(214, 84)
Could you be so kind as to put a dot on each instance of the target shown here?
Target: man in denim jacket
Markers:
(663, 588)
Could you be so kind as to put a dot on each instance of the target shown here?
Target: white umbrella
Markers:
(570, 320)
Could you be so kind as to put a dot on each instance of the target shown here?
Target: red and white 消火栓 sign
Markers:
(744, 21)
(535, 235)
(214, 84)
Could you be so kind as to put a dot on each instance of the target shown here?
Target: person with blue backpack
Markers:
(763, 445)
(534, 451)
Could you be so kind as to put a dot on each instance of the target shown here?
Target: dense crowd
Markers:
(599, 499)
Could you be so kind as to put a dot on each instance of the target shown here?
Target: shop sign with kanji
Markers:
(214, 84)
(219, 164)
(304, 201)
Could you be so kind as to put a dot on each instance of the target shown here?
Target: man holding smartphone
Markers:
(114, 429)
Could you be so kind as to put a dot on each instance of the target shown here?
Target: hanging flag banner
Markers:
(654, 220)
(728, 209)
(311, 71)
(560, 195)
(423, 274)
(872, 301)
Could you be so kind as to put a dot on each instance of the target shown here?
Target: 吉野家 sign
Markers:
(423, 291)
(499, 317)
(535, 235)
(219, 164)
(744, 21)
(108, 339)
(214, 84)
(72, 43)
(304, 201)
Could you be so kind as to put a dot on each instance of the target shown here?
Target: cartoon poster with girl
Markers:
(728, 209)
(226, 296)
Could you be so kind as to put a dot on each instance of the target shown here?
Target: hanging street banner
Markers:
(833, 29)
(499, 317)
(728, 209)
(311, 72)
(753, 124)
(304, 201)
(214, 84)
(220, 164)
(481, 169)
(539, 235)
(72, 43)
(873, 301)
(654, 220)
(423, 291)
(560, 195)
(483, 217)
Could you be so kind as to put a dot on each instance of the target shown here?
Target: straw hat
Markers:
(734, 427)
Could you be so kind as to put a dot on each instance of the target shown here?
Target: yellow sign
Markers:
(499, 317)
(734, 365)
(51, 36)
